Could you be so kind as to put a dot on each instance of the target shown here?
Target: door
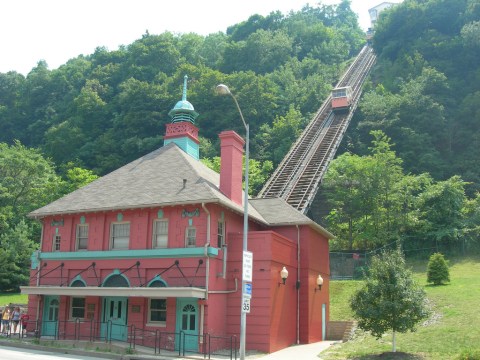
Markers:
(324, 321)
(187, 323)
(50, 316)
(114, 325)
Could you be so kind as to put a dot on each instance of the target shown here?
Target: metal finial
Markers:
(184, 95)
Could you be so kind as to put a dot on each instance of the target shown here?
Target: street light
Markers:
(224, 90)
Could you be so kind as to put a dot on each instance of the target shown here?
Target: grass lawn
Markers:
(14, 298)
(452, 329)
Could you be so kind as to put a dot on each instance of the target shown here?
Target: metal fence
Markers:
(347, 265)
(156, 342)
(351, 265)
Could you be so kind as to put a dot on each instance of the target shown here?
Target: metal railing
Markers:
(156, 341)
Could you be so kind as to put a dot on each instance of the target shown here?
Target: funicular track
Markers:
(298, 176)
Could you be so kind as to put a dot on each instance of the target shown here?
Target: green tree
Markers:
(370, 197)
(27, 180)
(471, 231)
(441, 213)
(275, 141)
(16, 248)
(437, 269)
(390, 299)
(76, 177)
(258, 172)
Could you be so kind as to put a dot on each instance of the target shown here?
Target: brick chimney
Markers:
(231, 154)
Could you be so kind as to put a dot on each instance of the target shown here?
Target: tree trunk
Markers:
(394, 345)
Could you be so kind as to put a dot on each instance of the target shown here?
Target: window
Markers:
(56, 243)
(190, 237)
(160, 234)
(120, 235)
(221, 233)
(158, 311)
(82, 237)
(77, 308)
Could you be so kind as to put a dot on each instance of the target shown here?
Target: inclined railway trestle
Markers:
(298, 176)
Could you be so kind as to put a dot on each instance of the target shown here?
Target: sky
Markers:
(58, 30)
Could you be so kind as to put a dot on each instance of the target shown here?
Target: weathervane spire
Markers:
(184, 95)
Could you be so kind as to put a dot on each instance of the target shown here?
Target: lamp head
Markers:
(319, 282)
(223, 89)
(284, 275)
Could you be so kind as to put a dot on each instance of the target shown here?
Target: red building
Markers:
(157, 245)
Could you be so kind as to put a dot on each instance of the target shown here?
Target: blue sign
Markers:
(248, 289)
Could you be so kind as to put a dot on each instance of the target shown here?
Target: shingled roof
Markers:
(167, 176)
(164, 177)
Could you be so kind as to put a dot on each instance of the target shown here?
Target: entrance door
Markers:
(50, 316)
(115, 318)
(187, 322)
(324, 321)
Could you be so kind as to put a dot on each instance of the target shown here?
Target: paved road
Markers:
(8, 353)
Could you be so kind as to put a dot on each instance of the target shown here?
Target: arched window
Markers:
(116, 280)
(78, 283)
(157, 283)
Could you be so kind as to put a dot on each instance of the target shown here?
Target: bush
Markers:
(437, 270)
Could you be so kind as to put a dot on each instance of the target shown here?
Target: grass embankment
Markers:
(452, 329)
(12, 298)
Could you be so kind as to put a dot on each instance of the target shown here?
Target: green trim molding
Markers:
(129, 254)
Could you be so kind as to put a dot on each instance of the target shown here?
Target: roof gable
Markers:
(165, 176)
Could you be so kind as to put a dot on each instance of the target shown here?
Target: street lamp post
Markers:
(224, 90)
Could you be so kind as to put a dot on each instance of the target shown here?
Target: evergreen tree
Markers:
(437, 270)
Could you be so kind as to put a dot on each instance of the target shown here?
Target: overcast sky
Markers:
(58, 30)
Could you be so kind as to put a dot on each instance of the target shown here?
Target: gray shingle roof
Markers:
(157, 179)
(277, 212)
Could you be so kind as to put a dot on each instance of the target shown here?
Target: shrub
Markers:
(437, 270)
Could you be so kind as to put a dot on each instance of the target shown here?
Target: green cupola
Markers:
(183, 110)
(182, 130)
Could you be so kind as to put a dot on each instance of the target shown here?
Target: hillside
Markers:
(425, 91)
(110, 107)
(450, 331)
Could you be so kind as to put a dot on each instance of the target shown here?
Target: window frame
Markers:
(221, 233)
(112, 238)
(78, 238)
(155, 234)
(161, 323)
(78, 308)
(56, 244)
(188, 237)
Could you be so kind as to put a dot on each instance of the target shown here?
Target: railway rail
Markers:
(298, 176)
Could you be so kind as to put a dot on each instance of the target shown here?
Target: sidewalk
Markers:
(300, 352)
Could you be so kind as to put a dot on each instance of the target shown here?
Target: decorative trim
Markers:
(115, 272)
(78, 278)
(82, 220)
(177, 292)
(57, 222)
(160, 214)
(193, 213)
(119, 217)
(157, 278)
(130, 254)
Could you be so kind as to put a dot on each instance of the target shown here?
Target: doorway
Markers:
(50, 316)
(114, 325)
